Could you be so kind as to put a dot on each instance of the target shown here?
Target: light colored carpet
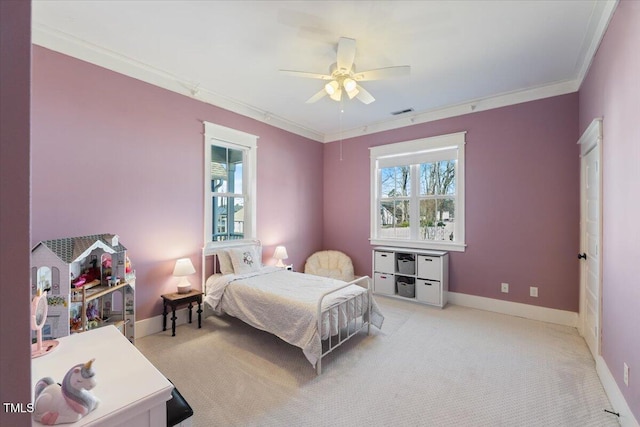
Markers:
(426, 367)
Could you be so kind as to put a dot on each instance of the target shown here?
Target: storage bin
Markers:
(384, 284)
(428, 291)
(407, 290)
(383, 262)
(429, 267)
(406, 263)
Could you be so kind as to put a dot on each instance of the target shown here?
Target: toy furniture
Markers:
(89, 282)
(39, 309)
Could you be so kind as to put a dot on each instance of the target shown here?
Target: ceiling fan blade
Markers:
(316, 97)
(346, 53)
(364, 96)
(383, 73)
(306, 74)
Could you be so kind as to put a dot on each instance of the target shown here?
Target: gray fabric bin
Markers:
(407, 290)
(406, 264)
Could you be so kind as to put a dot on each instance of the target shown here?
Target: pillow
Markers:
(210, 281)
(245, 259)
(226, 267)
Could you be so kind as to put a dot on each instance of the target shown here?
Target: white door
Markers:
(590, 231)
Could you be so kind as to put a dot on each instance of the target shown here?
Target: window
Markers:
(417, 193)
(230, 184)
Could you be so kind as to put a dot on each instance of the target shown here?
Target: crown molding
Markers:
(594, 35)
(45, 36)
(601, 15)
(477, 105)
(59, 41)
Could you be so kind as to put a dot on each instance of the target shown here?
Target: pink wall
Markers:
(612, 91)
(522, 201)
(113, 154)
(15, 76)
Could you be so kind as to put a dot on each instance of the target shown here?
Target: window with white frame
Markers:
(229, 184)
(417, 193)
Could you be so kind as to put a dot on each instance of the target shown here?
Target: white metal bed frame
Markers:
(349, 332)
(355, 322)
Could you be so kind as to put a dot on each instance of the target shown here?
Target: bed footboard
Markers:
(357, 317)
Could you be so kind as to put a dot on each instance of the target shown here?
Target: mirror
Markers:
(39, 309)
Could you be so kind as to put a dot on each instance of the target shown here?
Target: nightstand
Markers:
(175, 300)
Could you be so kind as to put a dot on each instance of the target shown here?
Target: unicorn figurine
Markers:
(66, 403)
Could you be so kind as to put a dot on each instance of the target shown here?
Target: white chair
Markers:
(333, 264)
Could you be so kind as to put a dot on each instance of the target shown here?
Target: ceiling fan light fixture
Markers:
(349, 85)
(353, 93)
(331, 87)
(343, 78)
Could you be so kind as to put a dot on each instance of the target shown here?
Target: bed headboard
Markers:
(210, 251)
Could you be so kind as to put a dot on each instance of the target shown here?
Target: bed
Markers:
(316, 314)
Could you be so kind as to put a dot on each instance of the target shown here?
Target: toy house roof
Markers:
(70, 249)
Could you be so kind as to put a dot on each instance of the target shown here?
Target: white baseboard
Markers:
(560, 317)
(153, 325)
(618, 402)
(544, 314)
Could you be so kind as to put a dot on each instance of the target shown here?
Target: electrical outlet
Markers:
(533, 291)
(626, 375)
(504, 288)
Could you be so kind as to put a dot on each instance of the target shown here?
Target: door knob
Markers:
(582, 256)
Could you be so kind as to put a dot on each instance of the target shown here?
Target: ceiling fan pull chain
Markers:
(341, 113)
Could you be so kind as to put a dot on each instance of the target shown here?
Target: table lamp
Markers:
(280, 254)
(184, 267)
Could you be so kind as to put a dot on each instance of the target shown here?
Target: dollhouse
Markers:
(90, 283)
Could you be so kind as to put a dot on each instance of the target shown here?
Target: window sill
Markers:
(421, 244)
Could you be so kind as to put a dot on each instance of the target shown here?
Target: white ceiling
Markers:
(464, 55)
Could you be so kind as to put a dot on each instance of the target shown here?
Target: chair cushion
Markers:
(330, 263)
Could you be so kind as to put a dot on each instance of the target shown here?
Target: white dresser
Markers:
(131, 390)
(414, 274)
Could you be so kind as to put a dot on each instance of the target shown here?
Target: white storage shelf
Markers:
(412, 274)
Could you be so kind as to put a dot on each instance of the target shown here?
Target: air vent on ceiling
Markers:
(397, 113)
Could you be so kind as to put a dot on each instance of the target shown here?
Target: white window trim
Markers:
(226, 137)
(456, 140)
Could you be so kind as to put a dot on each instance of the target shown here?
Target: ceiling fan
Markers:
(343, 77)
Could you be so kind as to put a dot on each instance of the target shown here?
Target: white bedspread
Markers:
(285, 303)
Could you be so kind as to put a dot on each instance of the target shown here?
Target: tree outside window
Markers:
(418, 193)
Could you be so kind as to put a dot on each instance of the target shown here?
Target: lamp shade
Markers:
(280, 254)
(184, 267)
(349, 84)
(331, 87)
